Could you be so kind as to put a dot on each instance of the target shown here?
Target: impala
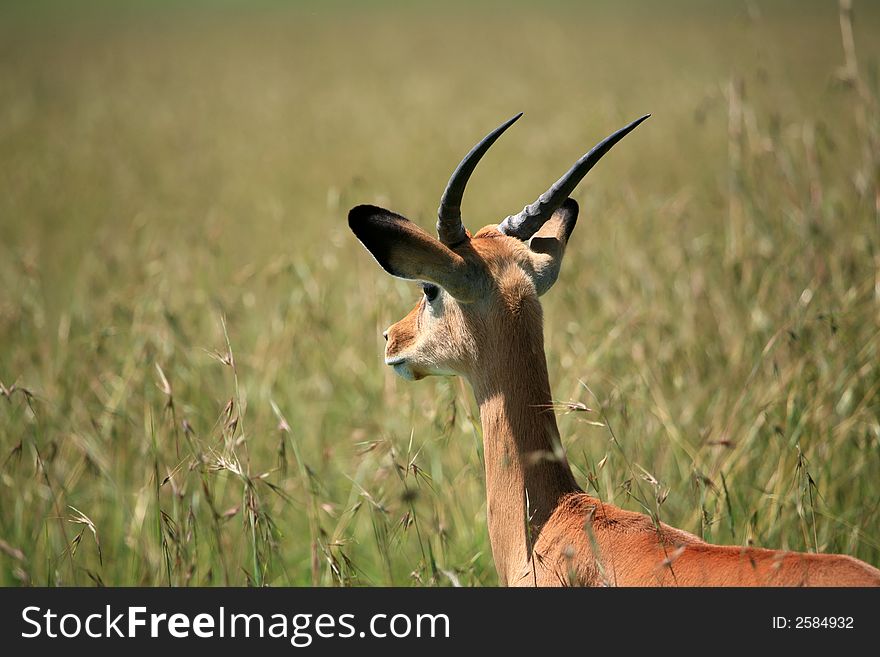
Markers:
(480, 318)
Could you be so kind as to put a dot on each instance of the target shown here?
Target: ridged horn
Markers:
(526, 223)
(450, 230)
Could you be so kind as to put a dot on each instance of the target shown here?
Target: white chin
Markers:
(404, 372)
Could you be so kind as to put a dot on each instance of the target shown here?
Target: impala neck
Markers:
(526, 470)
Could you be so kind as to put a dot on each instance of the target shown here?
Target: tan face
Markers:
(440, 336)
(435, 337)
(487, 284)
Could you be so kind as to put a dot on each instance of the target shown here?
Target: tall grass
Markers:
(190, 339)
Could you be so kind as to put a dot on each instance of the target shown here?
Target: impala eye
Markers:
(430, 291)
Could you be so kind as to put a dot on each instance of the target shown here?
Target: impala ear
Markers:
(406, 251)
(548, 245)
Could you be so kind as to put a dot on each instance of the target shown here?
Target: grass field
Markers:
(190, 337)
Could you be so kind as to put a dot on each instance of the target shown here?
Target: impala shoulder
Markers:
(580, 508)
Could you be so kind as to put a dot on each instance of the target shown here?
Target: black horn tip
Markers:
(532, 217)
(449, 226)
(638, 121)
(625, 130)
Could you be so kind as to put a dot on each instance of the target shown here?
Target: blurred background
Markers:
(190, 338)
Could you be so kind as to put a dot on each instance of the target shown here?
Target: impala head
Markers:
(480, 291)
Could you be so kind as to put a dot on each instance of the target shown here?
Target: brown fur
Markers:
(627, 549)
(543, 529)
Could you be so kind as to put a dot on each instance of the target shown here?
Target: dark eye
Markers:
(430, 291)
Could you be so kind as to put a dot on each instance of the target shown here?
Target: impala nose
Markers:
(385, 335)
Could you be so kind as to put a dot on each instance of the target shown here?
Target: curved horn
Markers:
(449, 226)
(526, 223)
